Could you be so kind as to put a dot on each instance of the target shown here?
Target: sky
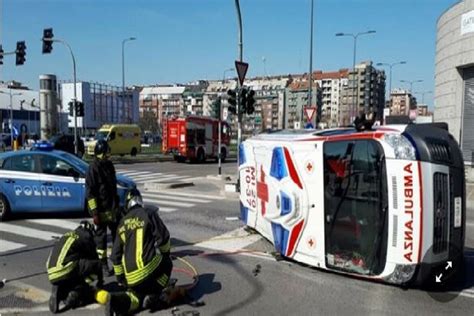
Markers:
(179, 41)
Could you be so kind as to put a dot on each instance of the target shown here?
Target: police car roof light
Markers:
(43, 145)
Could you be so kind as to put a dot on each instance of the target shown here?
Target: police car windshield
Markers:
(80, 164)
(101, 135)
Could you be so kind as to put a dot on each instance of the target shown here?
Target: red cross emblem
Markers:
(311, 242)
(309, 166)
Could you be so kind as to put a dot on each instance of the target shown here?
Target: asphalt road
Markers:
(237, 274)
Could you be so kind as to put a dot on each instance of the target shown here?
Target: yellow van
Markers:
(123, 139)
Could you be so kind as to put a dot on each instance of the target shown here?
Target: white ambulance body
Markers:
(387, 204)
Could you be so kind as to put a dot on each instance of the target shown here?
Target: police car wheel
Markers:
(4, 208)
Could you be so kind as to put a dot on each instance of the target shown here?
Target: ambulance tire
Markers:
(134, 152)
(4, 208)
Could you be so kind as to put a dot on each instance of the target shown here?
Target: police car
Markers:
(45, 180)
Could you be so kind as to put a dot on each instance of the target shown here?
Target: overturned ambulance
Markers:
(385, 204)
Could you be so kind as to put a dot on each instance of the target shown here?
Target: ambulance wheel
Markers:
(200, 156)
(4, 209)
(134, 152)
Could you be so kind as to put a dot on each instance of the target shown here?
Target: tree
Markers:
(149, 122)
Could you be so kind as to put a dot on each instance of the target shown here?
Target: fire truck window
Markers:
(191, 136)
(355, 195)
(201, 136)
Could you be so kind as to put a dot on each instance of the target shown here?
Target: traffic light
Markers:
(243, 100)
(79, 109)
(47, 40)
(250, 108)
(71, 108)
(232, 100)
(20, 53)
(1, 55)
(216, 108)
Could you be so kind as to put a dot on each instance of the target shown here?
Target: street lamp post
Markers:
(423, 95)
(390, 75)
(226, 71)
(311, 66)
(75, 88)
(123, 67)
(411, 82)
(11, 113)
(354, 86)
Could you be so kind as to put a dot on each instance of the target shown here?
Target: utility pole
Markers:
(239, 114)
(310, 68)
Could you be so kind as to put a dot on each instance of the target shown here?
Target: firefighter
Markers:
(102, 198)
(72, 266)
(144, 270)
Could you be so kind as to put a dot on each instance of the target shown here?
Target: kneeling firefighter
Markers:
(136, 261)
(72, 267)
(102, 198)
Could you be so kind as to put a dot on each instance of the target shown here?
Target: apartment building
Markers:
(402, 101)
(331, 84)
(163, 100)
(297, 98)
(365, 91)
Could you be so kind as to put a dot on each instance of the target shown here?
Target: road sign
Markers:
(309, 112)
(241, 70)
(309, 125)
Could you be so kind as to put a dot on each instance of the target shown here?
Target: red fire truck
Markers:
(194, 138)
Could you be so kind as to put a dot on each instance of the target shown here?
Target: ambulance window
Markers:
(22, 163)
(112, 135)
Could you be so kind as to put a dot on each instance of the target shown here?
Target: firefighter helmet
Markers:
(132, 199)
(101, 148)
(87, 226)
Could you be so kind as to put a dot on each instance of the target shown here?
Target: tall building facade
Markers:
(164, 101)
(103, 104)
(365, 92)
(402, 101)
(331, 84)
(454, 74)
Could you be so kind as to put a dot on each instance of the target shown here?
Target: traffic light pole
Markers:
(239, 114)
(75, 89)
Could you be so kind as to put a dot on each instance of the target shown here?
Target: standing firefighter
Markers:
(102, 198)
(137, 263)
(72, 265)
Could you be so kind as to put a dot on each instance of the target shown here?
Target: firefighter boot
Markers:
(118, 304)
(152, 302)
(54, 300)
(72, 300)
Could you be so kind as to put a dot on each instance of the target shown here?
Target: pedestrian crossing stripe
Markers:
(160, 202)
(28, 232)
(188, 194)
(175, 198)
(6, 245)
(56, 223)
(133, 173)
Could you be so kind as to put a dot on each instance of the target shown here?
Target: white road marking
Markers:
(232, 218)
(6, 245)
(133, 173)
(470, 224)
(189, 194)
(177, 198)
(28, 232)
(56, 223)
(234, 240)
(162, 202)
(148, 176)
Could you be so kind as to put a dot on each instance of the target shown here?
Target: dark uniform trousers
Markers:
(100, 236)
(132, 299)
(79, 280)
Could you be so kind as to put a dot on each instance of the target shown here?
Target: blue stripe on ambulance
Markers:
(278, 168)
(244, 211)
(280, 237)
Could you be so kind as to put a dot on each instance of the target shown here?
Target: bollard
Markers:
(15, 145)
